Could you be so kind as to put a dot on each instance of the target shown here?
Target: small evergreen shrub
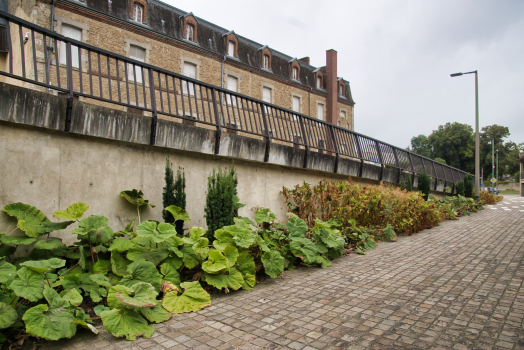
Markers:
(460, 188)
(406, 183)
(423, 185)
(468, 185)
(517, 176)
(174, 194)
(221, 199)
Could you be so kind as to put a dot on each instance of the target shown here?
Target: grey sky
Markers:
(398, 55)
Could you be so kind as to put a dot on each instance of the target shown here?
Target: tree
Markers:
(468, 185)
(406, 183)
(460, 188)
(423, 185)
(174, 194)
(420, 145)
(440, 160)
(455, 143)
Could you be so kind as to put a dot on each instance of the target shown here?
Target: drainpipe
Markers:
(50, 47)
(222, 76)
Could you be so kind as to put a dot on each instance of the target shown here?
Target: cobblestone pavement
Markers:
(456, 286)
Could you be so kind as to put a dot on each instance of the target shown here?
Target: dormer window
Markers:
(341, 89)
(231, 48)
(138, 12)
(319, 82)
(190, 32)
(265, 63)
(295, 73)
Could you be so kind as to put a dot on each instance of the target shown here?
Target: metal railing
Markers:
(65, 65)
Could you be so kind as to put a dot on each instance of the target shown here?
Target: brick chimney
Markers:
(304, 59)
(331, 86)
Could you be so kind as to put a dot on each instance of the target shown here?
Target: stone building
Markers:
(164, 36)
(522, 175)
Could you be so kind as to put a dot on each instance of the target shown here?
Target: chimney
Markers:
(331, 86)
(304, 59)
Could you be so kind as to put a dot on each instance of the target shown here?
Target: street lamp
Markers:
(497, 152)
(477, 137)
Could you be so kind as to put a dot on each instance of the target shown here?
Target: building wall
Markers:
(104, 32)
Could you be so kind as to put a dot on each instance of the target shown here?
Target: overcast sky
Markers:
(398, 55)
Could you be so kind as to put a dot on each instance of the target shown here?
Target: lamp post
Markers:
(477, 137)
(497, 152)
(492, 163)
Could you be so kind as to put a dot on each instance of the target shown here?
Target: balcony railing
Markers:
(54, 62)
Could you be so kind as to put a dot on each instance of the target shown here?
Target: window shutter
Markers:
(73, 33)
(320, 112)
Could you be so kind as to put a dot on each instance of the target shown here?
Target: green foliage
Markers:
(460, 188)
(406, 183)
(440, 160)
(135, 197)
(221, 206)
(174, 194)
(468, 185)
(423, 185)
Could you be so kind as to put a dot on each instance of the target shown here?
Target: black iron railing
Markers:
(52, 61)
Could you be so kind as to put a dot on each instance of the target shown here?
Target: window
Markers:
(320, 111)
(189, 71)
(341, 90)
(232, 84)
(265, 63)
(296, 104)
(347, 125)
(295, 73)
(139, 54)
(319, 82)
(343, 114)
(73, 33)
(190, 32)
(138, 12)
(266, 97)
(338, 123)
(231, 48)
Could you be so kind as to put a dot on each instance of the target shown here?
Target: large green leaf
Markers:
(246, 266)
(30, 285)
(224, 237)
(73, 212)
(262, 244)
(119, 264)
(229, 279)
(329, 238)
(7, 271)
(8, 315)
(50, 244)
(156, 314)
(49, 226)
(170, 273)
(24, 240)
(142, 295)
(135, 197)
(304, 249)
(296, 226)
(31, 217)
(102, 266)
(121, 245)
(220, 261)
(84, 282)
(101, 280)
(178, 213)
(264, 215)
(194, 298)
(112, 301)
(151, 254)
(201, 247)
(273, 263)
(43, 266)
(6, 250)
(48, 323)
(73, 297)
(155, 231)
(190, 258)
(142, 271)
(244, 236)
(126, 323)
(173, 244)
(100, 308)
(94, 228)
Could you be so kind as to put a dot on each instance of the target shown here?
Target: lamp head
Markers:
(456, 74)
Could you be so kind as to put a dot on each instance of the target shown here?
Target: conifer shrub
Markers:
(423, 185)
(174, 194)
(460, 188)
(406, 183)
(221, 200)
(468, 186)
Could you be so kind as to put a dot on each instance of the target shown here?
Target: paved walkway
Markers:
(456, 286)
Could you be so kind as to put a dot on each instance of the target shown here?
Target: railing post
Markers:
(454, 182)
(153, 107)
(436, 176)
(381, 161)
(335, 146)
(359, 151)
(268, 136)
(398, 164)
(412, 168)
(306, 143)
(218, 122)
(70, 92)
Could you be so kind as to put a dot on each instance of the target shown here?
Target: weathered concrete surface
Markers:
(456, 286)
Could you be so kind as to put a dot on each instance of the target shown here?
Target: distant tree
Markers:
(406, 183)
(517, 176)
(460, 188)
(440, 160)
(455, 143)
(419, 145)
(423, 185)
(468, 186)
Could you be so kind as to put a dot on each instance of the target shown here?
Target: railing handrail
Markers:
(323, 130)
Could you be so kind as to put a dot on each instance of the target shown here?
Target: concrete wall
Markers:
(108, 151)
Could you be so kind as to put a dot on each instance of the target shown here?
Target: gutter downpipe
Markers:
(222, 76)
(50, 47)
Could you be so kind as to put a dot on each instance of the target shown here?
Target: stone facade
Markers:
(162, 37)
